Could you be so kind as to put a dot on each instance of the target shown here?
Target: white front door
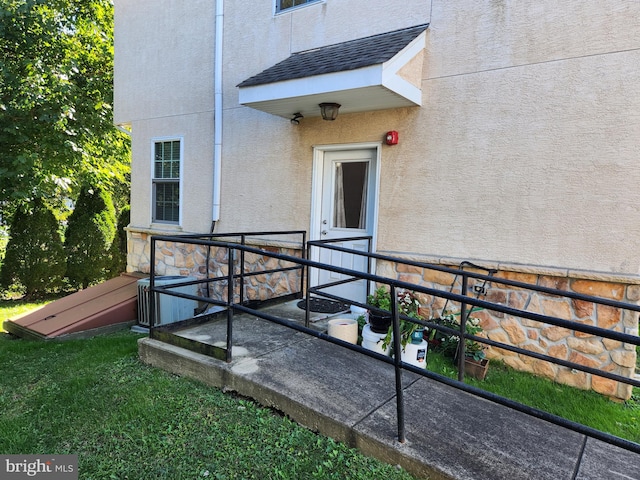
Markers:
(346, 209)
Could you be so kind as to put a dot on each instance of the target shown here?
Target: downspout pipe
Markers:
(217, 112)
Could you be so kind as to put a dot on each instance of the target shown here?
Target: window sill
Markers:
(298, 7)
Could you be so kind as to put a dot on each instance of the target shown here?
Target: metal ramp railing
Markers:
(236, 302)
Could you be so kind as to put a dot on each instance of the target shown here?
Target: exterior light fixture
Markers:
(295, 120)
(329, 111)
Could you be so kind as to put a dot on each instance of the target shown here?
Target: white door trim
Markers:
(316, 187)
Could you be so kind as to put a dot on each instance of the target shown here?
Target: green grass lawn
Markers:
(127, 420)
(15, 308)
(585, 407)
(123, 419)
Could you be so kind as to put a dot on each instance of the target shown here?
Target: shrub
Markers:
(91, 229)
(35, 257)
(118, 250)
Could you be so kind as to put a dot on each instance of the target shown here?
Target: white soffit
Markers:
(374, 87)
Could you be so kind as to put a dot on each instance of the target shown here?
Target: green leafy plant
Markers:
(92, 228)
(35, 257)
(408, 306)
(56, 92)
(447, 343)
(473, 349)
(118, 249)
(381, 299)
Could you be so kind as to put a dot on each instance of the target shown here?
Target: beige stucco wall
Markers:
(278, 155)
(481, 35)
(540, 168)
(538, 105)
(163, 58)
(195, 133)
(164, 89)
(523, 152)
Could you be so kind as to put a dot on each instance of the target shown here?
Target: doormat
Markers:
(323, 305)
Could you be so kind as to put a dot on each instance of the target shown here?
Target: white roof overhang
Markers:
(375, 87)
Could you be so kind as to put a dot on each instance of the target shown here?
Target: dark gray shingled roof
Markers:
(339, 57)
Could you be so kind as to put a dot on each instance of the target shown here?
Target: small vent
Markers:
(169, 309)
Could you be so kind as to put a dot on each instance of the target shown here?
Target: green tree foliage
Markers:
(56, 96)
(91, 229)
(118, 250)
(35, 257)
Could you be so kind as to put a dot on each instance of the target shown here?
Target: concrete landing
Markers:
(351, 398)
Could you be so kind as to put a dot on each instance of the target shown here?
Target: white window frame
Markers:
(278, 10)
(155, 180)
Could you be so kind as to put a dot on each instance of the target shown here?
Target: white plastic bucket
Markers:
(373, 341)
(416, 354)
(358, 311)
(345, 329)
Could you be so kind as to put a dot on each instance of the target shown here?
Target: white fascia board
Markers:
(403, 88)
(405, 55)
(390, 69)
(318, 84)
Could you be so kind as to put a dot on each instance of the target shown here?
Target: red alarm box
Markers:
(391, 138)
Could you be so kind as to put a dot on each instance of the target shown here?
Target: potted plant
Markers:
(475, 363)
(379, 322)
(441, 341)
(409, 305)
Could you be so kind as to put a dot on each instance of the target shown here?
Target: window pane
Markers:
(167, 160)
(350, 200)
(167, 202)
(284, 4)
(175, 150)
(166, 183)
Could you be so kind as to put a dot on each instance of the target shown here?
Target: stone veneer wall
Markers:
(174, 258)
(585, 349)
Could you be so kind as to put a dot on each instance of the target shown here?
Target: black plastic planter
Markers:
(379, 323)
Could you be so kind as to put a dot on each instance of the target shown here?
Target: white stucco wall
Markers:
(523, 152)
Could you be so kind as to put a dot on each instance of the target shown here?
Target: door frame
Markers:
(317, 189)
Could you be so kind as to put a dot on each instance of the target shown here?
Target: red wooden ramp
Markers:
(99, 307)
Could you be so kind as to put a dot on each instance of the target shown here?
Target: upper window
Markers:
(286, 4)
(166, 181)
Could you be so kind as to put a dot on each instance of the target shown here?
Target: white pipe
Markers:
(217, 111)
(123, 130)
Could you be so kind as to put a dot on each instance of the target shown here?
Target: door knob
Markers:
(324, 232)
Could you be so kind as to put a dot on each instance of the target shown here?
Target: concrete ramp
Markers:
(451, 434)
(108, 304)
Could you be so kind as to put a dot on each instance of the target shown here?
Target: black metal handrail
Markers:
(462, 298)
